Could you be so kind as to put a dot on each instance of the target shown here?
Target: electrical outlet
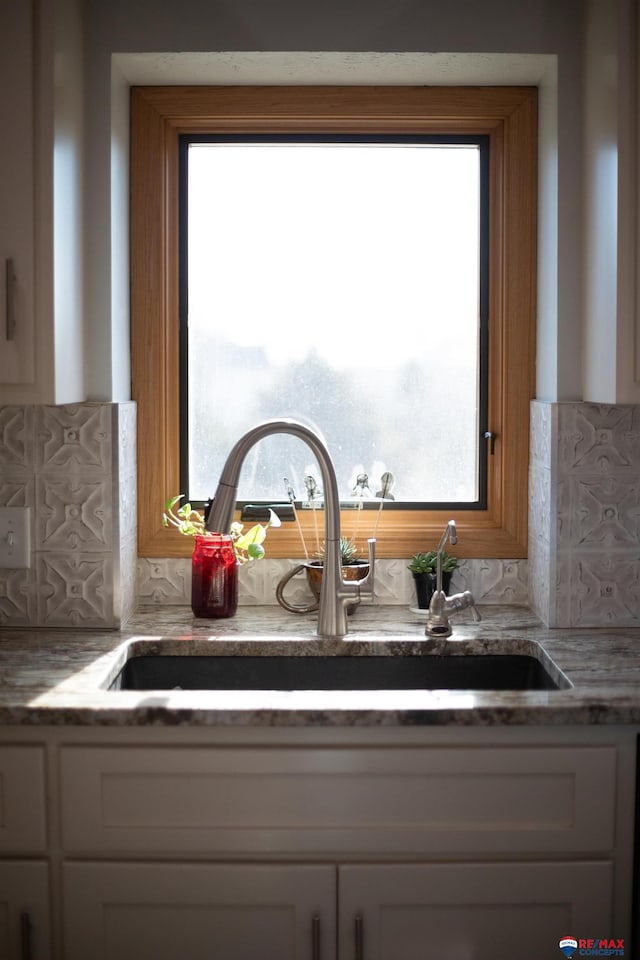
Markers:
(15, 537)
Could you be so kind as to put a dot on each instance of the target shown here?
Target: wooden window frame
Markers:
(508, 115)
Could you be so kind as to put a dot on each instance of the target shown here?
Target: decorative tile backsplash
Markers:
(490, 581)
(584, 514)
(75, 467)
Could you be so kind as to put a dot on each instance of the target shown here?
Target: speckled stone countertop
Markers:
(62, 677)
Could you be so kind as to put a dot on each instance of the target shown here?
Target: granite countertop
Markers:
(59, 677)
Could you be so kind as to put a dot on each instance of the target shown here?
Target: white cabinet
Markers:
(438, 911)
(176, 911)
(22, 800)
(17, 190)
(433, 853)
(313, 844)
(24, 885)
(24, 911)
(454, 911)
(338, 801)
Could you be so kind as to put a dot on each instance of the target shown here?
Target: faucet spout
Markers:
(441, 606)
(335, 592)
(450, 533)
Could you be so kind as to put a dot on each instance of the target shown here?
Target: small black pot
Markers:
(426, 586)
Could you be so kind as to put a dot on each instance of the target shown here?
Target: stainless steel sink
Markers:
(431, 672)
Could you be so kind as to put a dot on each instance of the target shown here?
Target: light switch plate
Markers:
(15, 537)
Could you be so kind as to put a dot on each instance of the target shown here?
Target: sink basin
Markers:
(467, 672)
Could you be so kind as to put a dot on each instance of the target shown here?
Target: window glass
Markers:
(339, 283)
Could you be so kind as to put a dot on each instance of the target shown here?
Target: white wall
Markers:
(600, 203)
(68, 203)
(547, 332)
(52, 184)
(309, 39)
(589, 71)
(611, 367)
(628, 240)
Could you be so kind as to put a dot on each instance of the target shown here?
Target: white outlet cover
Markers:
(15, 537)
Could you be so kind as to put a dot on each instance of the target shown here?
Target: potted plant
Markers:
(353, 568)
(423, 567)
(216, 557)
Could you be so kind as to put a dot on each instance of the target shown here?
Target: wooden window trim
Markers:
(508, 115)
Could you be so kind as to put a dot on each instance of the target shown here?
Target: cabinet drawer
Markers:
(412, 801)
(22, 800)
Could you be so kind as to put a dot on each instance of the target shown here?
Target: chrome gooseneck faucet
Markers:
(335, 592)
(441, 606)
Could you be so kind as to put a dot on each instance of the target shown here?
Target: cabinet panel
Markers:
(482, 911)
(412, 801)
(198, 911)
(22, 799)
(16, 187)
(475, 911)
(24, 911)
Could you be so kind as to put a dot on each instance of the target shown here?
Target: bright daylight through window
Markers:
(339, 281)
(360, 258)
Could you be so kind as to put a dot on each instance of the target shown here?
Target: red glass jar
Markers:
(214, 577)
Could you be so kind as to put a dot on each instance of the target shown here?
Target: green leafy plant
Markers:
(428, 562)
(190, 523)
(348, 552)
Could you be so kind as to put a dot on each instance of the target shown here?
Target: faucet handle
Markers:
(372, 551)
(464, 601)
(368, 583)
(470, 604)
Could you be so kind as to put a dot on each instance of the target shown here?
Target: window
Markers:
(338, 280)
(491, 510)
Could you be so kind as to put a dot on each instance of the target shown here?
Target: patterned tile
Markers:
(541, 415)
(126, 510)
(594, 439)
(584, 511)
(164, 580)
(74, 439)
(539, 503)
(594, 517)
(73, 514)
(511, 586)
(75, 590)
(65, 462)
(125, 513)
(561, 590)
(394, 583)
(16, 440)
(493, 581)
(606, 590)
(605, 513)
(539, 594)
(17, 597)
(17, 492)
(125, 593)
(257, 582)
(562, 514)
(126, 441)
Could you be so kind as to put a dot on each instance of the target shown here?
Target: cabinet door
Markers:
(470, 911)
(16, 190)
(139, 911)
(24, 911)
(22, 801)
